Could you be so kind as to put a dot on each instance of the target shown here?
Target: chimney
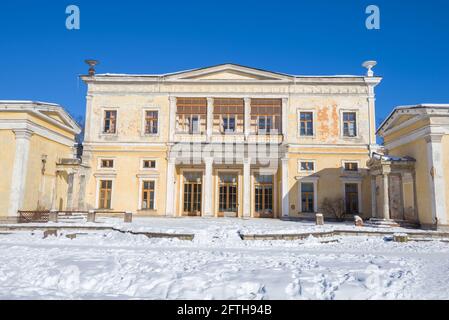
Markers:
(92, 63)
(369, 65)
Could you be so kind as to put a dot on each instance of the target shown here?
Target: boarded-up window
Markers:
(266, 115)
(229, 114)
(191, 106)
(191, 114)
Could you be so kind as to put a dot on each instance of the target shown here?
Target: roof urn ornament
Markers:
(369, 65)
(92, 63)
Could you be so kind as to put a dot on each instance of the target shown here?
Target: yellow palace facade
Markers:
(228, 141)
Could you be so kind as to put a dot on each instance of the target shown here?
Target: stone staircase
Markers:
(388, 223)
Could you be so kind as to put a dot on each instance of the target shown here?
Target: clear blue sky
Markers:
(41, 59)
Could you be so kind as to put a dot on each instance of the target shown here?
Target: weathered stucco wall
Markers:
(328, 113)
(418, 150)
(40, 188)
(7, 147)
(327, 100)
(329, 170)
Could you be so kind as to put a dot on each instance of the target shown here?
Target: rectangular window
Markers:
(351, 198)
(110, 122)
(307, 197)
(107, 163)
(105, 194)
(349, 124)
(307, 166)
(151, 122)
(351, 166)
(149, 164)
(265, 124)
(306, 124)
(194, 124)
(228, 123)
(148, 195)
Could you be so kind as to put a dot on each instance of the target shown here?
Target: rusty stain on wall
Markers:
(327, 118)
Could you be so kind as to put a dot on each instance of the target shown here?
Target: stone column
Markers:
(284, 117)
(373, 197)
(54, 201)
(436, 179)
(70, 190)
(372, 114)
(172, 119)
(386, 195)
(170, 203)
(88, 120)
(208, 188)
(19, 171)
(247, 188)
(247, 122)
(210, 118)
(285, 189)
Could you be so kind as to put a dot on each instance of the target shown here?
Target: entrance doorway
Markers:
(264, 196)
(228, 194)
(192, 193)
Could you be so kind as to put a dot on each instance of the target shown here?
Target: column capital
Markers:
(247, 100)
(285, 160)
(210, 100)
(434, 138)
(386, 169)
(246, 160)
(172, 99)
(23, 133)
(208, 160)
(171, 160)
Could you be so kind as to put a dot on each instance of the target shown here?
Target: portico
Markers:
(213, 188)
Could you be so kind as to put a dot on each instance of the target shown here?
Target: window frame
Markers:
(228, 116)
(342, 122)
(300, 123)
(142, 192)
(100, 163)
(314, 181)
(272, 130)
(103, 121)
(144, 121)
(99, 190)
(358, 197)
(300, 161)
(142, 162)
(343, 166)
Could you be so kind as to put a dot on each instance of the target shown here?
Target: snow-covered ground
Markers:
(217, 264)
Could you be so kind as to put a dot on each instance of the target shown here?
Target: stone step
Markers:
(382, 223)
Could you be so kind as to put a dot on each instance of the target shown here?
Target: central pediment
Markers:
(229, 72)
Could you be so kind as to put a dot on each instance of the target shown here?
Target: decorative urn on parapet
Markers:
(92, 63)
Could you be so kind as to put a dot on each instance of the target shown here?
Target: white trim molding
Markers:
(314, 180)
(101, 177)
(300, 161)
(151, 178)
(143, 123)
(298, 123)
(354, 180)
